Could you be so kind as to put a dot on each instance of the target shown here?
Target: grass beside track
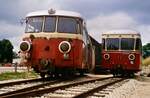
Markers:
(17, 75)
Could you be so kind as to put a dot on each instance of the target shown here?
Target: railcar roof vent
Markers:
(51, 11)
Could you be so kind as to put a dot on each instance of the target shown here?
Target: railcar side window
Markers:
(50, 23)
(67, 25)
(103, 43)
(138, 44)
(127, 43)
(112, 43)
(85, 38)
(34, 24)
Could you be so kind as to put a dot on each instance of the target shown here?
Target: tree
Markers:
(1, 52)
(6, 51)
(146, 50)
(146, 47)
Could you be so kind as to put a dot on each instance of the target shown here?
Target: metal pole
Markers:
(15, 67)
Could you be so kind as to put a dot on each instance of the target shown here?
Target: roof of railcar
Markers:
(56, 13)
(122, 31)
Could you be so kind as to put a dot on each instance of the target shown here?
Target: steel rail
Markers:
(19, 82)
(26, 81)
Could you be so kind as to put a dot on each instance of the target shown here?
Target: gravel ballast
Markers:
(132, 89)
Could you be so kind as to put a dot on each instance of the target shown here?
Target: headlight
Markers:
(64, 47)
(131, 56)
(106, 56)
(25, 46)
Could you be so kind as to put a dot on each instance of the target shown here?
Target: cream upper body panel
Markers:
(121, 34)
(54, 35)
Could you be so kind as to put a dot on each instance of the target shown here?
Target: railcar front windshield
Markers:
(50, 24)
(112, 43)
(127, 44)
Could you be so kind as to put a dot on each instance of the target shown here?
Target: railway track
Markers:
(18, 82)
(32, 84)
(11, 86)
(79, 88)
(6, 88)
(82, 89)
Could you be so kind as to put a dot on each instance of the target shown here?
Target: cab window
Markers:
(67, 25)
(34, 24)
(127, 44)
(50, 24)
(112, 43)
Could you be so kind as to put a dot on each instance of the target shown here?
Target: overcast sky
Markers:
(100, 15)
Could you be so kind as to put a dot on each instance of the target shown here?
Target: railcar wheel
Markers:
(131, 75)
(81, 71)
(114, 74)
(56, 75)
(122, 74)
(42, 75)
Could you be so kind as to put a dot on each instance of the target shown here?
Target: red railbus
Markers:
(121, 51)
(56, 42)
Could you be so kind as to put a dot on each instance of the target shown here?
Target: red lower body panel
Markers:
(44, 50)
(121, 59)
